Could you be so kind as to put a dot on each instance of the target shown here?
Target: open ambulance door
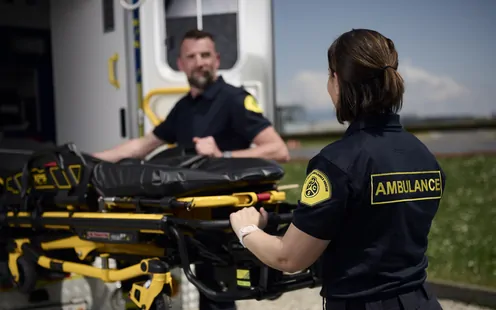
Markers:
(93, 73)
(243, 32)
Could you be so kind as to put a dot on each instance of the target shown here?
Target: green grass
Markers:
(322, 141)
(463, 237)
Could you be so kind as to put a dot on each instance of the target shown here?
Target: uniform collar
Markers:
(377, 121)
(212, 89)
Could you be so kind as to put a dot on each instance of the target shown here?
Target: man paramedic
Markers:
(214, 118)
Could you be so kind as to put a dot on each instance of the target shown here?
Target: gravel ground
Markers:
(309, 299)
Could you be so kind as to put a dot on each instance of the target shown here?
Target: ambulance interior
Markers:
(28, 94)
(29, 97)
(26, 81)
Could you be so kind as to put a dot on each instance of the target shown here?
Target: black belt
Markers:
(406, 301)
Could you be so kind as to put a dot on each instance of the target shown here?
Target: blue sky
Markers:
(447, 50)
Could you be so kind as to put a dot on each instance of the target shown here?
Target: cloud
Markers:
(426, 94)
(308, 87)
(436, 88)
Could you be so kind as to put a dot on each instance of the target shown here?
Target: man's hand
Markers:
(207, 146)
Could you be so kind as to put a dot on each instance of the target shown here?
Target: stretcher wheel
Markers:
(161, 302)
(27, 275)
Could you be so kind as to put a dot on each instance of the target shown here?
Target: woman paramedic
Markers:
(368, 199)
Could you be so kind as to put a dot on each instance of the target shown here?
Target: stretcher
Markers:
(61, 208)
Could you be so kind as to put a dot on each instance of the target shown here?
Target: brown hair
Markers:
(197, 34)
(366, 63)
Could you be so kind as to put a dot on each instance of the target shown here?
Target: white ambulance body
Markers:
(99, 72)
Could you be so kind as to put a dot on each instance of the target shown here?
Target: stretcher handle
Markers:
(181, 151)
(274, 219)
(220, 296)
(192, 160)
(206, 290)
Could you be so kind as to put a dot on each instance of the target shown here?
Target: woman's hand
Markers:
(248, 216)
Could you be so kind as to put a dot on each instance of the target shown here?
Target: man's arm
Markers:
(250, 122)
(134, 148)
(268, 144)
(141, 147)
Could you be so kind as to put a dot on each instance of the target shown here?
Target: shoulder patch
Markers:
(251, 104)
(316, 188)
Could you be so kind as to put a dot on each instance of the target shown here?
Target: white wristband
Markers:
(246, 231)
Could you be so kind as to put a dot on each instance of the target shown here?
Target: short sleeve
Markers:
(443, 178)
(166, 131)
(323, 199)
(247, 115)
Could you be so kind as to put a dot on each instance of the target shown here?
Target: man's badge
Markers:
(251, 104)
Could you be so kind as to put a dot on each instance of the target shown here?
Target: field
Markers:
(463, 236)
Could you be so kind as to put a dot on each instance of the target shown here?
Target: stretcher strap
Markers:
(26, 179)
(3, 210)
(35, 217)
(56, 154)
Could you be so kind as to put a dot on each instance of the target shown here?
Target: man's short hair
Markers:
(198, 34)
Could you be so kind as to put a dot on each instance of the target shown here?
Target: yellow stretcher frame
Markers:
(140, 295)
(150, 264)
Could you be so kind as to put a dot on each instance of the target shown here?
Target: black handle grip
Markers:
(123, 123)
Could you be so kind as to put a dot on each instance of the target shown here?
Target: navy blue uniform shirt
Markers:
(228, 113)
(374, 194)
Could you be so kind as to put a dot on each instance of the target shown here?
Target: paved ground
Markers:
(439, 142)
(309, 299)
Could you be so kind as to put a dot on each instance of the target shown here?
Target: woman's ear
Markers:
(335, 83)
(333, 87)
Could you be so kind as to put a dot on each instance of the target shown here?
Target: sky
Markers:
(447, 51)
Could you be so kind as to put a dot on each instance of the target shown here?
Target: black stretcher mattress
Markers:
(160, 177)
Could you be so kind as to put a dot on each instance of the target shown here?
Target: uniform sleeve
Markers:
(247, 115)
(443, 179)
(166, 131)
(323, 200)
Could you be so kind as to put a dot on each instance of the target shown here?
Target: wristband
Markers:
(246, 231)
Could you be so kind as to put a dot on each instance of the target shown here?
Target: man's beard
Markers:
(201, 82)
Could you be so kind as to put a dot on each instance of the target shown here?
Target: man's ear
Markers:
(179, 64)
(217, 57)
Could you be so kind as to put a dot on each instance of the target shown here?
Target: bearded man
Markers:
(215, 119)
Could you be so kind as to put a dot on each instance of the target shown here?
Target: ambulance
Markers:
(99, 72)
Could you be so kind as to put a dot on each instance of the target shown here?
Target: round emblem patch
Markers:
(316, 188)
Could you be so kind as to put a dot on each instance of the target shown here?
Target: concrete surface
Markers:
(309, 299)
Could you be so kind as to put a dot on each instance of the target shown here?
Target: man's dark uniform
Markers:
(228, 113)
(233, 118)
(374, 194)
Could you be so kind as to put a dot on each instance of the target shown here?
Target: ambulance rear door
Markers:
(90, 57)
